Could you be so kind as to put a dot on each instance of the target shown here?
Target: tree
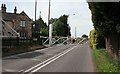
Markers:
(52, 20)
(84, 36)
(105, 17)
(106, 20)
(41, 28)
(60, 26)
(44, 31)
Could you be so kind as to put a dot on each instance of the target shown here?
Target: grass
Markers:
(103, 61)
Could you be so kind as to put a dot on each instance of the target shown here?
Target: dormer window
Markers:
(22, 23)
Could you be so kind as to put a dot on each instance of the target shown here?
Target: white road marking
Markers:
(48, 61)
(65, 52)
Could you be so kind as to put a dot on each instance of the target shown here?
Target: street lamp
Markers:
(75, 33)
(68, 25)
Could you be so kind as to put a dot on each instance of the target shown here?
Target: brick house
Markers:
(16, 23)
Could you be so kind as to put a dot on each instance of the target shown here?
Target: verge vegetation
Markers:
(104, 62)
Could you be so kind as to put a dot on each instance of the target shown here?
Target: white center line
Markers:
(48, 61)
(53, 60)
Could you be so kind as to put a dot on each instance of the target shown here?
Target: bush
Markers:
(92, 39)
(96, 40)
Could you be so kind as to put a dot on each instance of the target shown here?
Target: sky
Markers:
(81, 20)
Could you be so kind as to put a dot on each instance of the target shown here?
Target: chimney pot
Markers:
(4, 5)
(3, 8)
(15, 10)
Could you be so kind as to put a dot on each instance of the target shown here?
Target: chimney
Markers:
(3, 8)
(15, 10)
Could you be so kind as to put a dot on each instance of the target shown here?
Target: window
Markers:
(22, 24)
(22, 34)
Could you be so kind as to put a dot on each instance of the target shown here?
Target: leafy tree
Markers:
(64, 19)
(60, 26)
(106, 20)
(52, 20)
(84, 36)
(105, 17)
(44, 31)
(41, 28)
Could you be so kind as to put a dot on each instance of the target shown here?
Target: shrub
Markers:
(96, 40)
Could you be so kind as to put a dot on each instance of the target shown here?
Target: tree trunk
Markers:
(113, 45)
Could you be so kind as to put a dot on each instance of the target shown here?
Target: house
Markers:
(14, 24)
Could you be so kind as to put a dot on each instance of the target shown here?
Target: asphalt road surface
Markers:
(64, 58)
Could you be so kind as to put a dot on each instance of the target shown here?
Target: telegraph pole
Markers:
(35, 27)
(35, 10)
(75, 32)
(49, 13)
(40, 15)
(49, 25)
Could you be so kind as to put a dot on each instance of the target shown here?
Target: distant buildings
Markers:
(20, 22)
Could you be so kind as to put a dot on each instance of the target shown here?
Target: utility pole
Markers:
(49, 25)
(35, 26)
(35, 10)
(40, 15)
(75, 32)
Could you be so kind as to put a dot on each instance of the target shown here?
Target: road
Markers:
(64, 58)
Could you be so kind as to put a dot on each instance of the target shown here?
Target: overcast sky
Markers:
(81, 20)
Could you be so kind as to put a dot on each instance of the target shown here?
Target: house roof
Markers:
(12, 16)
(23, 13)
(8, 16)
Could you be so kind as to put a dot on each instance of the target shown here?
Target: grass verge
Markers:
(103, 62)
